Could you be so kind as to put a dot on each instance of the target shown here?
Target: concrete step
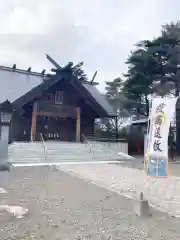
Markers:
(26, 153)
(30, 145)
(67, 153)
(25, 149)
(60, 152)
(16, 151)
(62, 160)
(100, 157)
(81, 153)
(67, 149)
(16, 160)
(27, 161)
(25, 156)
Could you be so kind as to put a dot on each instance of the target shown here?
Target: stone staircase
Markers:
(25, 152)
(61, 152)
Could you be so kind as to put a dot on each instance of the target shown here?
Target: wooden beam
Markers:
(78, 124)
(33, 124)
(53, 62)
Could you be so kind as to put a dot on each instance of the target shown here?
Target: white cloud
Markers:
(99, 32)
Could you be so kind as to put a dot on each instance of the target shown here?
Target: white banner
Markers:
(161, 115)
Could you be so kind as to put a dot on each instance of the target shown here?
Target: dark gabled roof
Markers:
(99, 98)
(91, 93)
(34, 92)
(20, 87)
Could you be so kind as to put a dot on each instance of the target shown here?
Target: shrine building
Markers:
(56, 106)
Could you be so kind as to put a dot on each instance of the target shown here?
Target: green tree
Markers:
(139, 78)
(117, 97)
(154, 67)
(165, 54)
(171, 36)
(119, 102)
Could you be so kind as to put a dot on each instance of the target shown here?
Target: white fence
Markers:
(119, 146)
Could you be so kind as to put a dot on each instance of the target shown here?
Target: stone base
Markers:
(142, 208)
(5, 167)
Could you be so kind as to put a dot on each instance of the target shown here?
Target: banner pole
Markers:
(147, 140)
(157, 171)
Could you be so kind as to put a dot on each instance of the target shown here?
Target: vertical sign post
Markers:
(161, 114)
(5, 117)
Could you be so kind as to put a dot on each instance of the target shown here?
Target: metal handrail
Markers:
(105, 139)
(88, 144)
(44, 146)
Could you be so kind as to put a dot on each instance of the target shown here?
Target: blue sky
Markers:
(99, 32)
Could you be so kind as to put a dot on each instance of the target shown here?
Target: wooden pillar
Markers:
(33, 124)
(78, 124)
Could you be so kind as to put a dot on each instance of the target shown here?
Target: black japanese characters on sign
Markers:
(160, 108)
(158, 120)
(156, 146)
(158, 124)
(157, 133)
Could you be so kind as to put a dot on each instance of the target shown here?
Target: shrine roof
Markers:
(100, 98)
(20, 86)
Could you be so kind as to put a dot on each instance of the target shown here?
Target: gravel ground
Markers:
(65, 207)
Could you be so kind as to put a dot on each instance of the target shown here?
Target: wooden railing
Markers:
(46, 109)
